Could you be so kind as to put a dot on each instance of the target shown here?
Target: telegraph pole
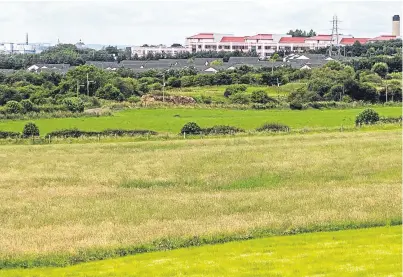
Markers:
(78, 87)
(88, 85)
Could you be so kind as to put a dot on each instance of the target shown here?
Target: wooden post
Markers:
(99, 137)
(49, 139)
(184, 135)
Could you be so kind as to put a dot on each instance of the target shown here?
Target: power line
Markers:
(335, 37)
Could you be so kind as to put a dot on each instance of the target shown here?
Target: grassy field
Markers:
(61, 199)
(217, 92)
(364, 252)
(172, 120)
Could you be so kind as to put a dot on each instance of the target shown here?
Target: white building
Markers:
(142, 51)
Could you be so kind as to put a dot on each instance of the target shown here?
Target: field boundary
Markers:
(166, 136)
(170, 243)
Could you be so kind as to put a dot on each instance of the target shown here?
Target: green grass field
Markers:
(164, 120)
(364, 252)
(68, 199)
(217, 92)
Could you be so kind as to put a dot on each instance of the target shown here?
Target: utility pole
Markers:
(163, 86)
(78, 87)
(386, 92)
(278, 91)
(88, 85)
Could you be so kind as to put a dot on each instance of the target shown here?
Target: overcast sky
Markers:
(153, 22)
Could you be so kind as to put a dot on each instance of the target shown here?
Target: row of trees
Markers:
(372, 79)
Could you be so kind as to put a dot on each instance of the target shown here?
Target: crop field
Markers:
(364, 252)
(172, 119)
(62, 201)
(217, 92)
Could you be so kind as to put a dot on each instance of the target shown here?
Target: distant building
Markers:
(143, 51)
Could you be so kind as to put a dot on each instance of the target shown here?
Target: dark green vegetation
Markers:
(374, 79)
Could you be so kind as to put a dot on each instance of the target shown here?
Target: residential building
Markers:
(143, 51)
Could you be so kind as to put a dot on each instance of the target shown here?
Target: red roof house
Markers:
(351, 41)
(203, 36)
(321, 37)
(233, 39)
(292, 40)
(261, 37)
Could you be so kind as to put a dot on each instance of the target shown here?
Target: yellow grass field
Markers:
(66, 198)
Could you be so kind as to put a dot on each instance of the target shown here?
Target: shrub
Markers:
(191, 128)
(74, 104)
(134, 99)
(222, 130)
(206, 99)
(5, 134)
(27, 105)
(260, 96)
(294, 105)
(13, 107)
(390, 119)
(76, 133)
(30, 129)
(233, 89)
(239, 98)
(155, 86)
(367, 116)
(273, 127)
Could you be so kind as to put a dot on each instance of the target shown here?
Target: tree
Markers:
(301, 33)
(367, 116)
(176, 45)
(191, 128)
(30, 129)
(260, 96)
(380, 68)
(13, 107)
(74, 104)
(110, 92)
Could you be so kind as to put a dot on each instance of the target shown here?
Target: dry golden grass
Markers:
(61, 198)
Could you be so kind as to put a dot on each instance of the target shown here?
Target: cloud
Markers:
(139, 22)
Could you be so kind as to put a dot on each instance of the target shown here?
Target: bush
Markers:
(76, 133)
(231, 90)
(390, 119)
(5, 134)
(155, 86)
(260, 96)
(134, 99)
(74, 104)
(27, 105)
(191, 128)
(367, 116)
(273, 127)
(13, 107)
(30, 129)
(239, 98)
(206, 99)
(222, 130)
(294, 105)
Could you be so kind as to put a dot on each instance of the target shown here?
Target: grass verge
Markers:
(362, 252)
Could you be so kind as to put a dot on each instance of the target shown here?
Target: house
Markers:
(61, 68)
(104, 65)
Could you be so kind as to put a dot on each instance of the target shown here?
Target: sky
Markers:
(167, 22)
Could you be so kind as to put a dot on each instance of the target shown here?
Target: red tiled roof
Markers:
(321, 37)
(292, 40)
(383, 37)
(203, 36)
(233, 39)
(261, 36)
(351, 41)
